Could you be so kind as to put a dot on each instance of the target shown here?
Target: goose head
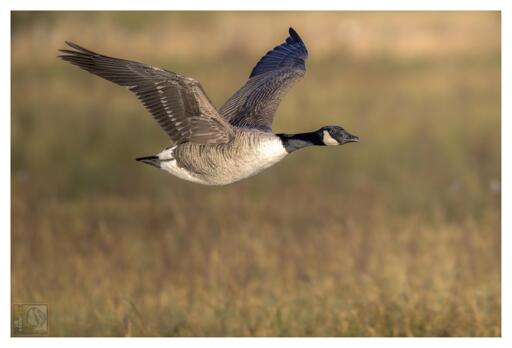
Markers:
(335, 135)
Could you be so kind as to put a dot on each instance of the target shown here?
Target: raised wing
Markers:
(178, 103)
(255, 104)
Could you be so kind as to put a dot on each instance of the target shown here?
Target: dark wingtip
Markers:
(77, 48)
(65, 50)
(71, 44)
(294, 35)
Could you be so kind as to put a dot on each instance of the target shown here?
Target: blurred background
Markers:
(397, 235)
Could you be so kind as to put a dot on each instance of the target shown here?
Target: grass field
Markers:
(397, 235)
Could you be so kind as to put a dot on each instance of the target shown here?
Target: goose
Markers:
(210, 146)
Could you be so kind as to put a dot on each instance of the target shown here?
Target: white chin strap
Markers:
(328, 140)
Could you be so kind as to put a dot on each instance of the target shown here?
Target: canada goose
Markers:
(215, 147)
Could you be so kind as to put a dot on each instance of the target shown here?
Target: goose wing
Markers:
(255, 104)
(178, 103)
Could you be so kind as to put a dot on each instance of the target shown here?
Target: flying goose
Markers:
(215, 147)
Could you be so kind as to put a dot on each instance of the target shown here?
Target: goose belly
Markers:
(225, 164)
(266, 154)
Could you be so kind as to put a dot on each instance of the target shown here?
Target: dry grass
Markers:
(398, 235)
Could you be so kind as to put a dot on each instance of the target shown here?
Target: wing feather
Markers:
(255, 104)
(178, 103)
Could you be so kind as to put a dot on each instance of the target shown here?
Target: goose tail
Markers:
(151, 160)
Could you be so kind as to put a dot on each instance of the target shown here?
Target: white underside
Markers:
(172, 167)
(251, 162)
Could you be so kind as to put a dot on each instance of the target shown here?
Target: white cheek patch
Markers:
(328, 140)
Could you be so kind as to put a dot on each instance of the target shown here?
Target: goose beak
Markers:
(353, 139)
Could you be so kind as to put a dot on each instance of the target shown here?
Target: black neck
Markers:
(292, 142)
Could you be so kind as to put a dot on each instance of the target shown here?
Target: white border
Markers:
(5, 307)
(259, 5)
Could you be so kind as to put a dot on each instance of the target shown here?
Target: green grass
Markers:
(397, 235)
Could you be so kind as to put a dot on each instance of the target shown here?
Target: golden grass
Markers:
(398, 235)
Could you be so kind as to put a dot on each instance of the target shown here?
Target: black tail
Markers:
(151, 160)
